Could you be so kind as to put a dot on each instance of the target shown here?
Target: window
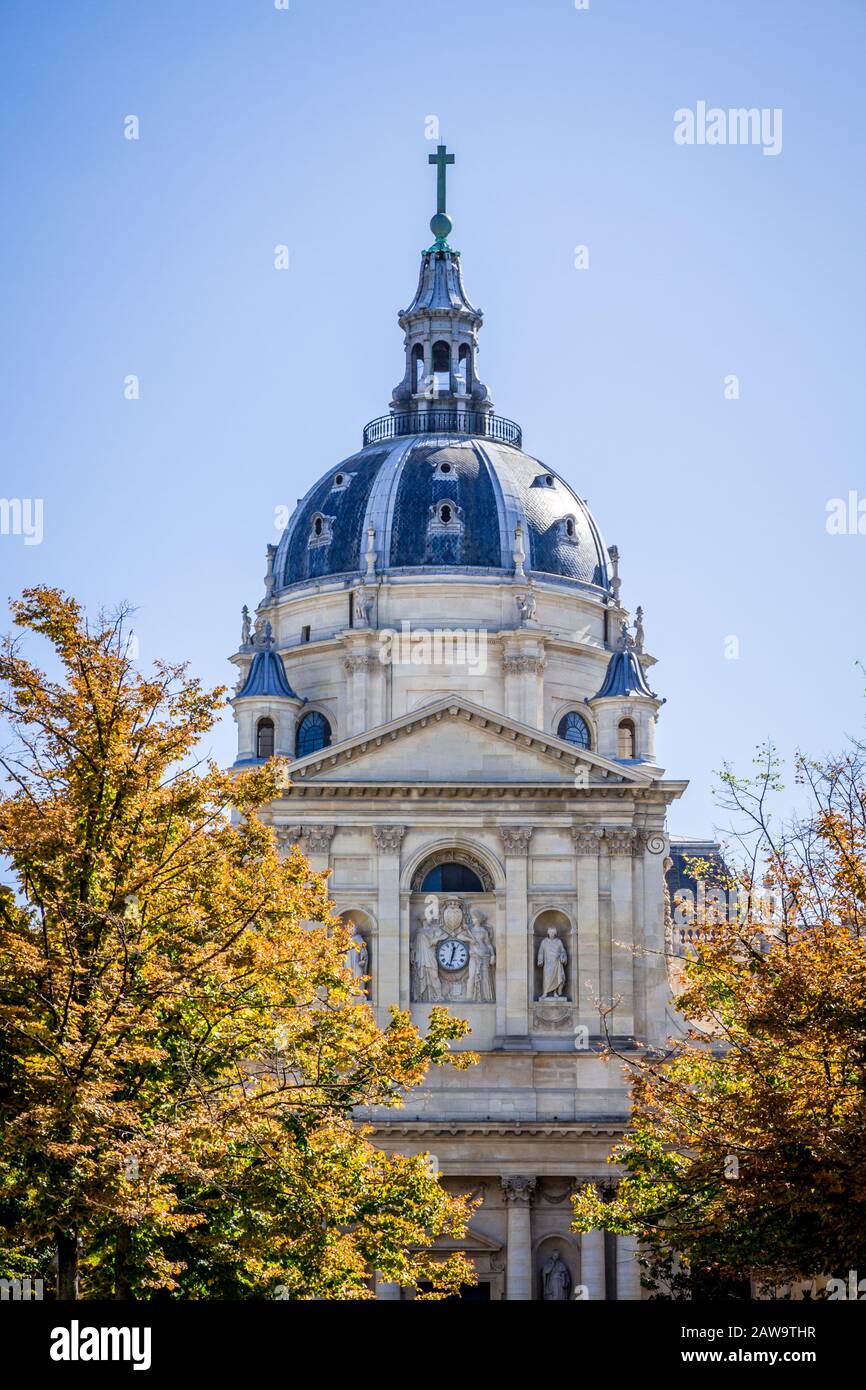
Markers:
(445, 514)
(625, 739)
(441, 368)
(569, 527)
(305, 633)
(265, 738)
(339, 480)
(318, 524)
(417, 367)
(464, 369)
(314, 732)
(574, 729)
(452, 878)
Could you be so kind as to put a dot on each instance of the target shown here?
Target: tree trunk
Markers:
(122, 1246)
(67, 1264)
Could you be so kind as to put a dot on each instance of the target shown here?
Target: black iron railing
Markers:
(443, 422)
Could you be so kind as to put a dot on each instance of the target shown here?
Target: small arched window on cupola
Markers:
(417, 368)
(574, 729)
(464, 369)
(442, 368)
(265, 738)
(625, 739)
(314, 733)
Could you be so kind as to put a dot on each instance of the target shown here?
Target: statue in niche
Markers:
(480, 987)
(555, 1279)
(358, 957)
(425, 966)
(552, 958)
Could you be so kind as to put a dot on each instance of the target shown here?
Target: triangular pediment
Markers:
(452, 740)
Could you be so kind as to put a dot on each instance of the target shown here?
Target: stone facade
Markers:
(487, 860)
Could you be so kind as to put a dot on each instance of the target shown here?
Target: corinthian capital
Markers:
(516, 838)
(389, 838)
(587, 839)
(317, 838)
(519, 1190)
(619, 842)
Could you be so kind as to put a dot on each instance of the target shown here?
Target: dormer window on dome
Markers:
(341, 481)
(445, 516)
(321, 529)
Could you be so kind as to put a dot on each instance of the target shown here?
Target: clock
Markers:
(452, 954)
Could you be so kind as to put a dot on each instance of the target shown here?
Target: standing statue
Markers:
(358, 957)
(553, 958)
(428, 987)
(526, 607)
(615, 581)
(638, 630)
(362, 606)
(245, 626)
(555, 1280)
(482, 959)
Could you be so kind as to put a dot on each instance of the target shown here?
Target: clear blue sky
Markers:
(260, 126)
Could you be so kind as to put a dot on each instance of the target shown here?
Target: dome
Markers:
(440, 501)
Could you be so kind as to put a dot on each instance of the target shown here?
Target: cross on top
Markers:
(441, 159)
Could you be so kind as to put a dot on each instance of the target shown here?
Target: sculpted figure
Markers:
(482, 959)
(555, 1280)
(526, 607)
(361, 607)
(358, 957)
(425, 966)
(553, 958)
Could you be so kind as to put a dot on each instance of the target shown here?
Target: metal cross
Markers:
(441, 159)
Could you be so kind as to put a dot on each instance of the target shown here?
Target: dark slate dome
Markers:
(440, 501)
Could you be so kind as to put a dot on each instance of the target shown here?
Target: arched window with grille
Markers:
(265, 738)
(314, 732)
(625, 740)
(574, 729)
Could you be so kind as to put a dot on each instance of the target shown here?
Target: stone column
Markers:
(619, 842)
(588, 984)
(639, 960)
(518, 1192)
(656, 972)
(524, 683)
(362, 669)
(628, 1289)
(515, 840)
(592, 1264)
(388, 841)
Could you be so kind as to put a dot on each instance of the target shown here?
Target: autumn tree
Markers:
(746, 1156)
(183, 1044)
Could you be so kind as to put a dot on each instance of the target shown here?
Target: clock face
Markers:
(452, 954)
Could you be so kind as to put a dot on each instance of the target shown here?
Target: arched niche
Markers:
(552, 918)
(569, 1252)
(365, 931)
